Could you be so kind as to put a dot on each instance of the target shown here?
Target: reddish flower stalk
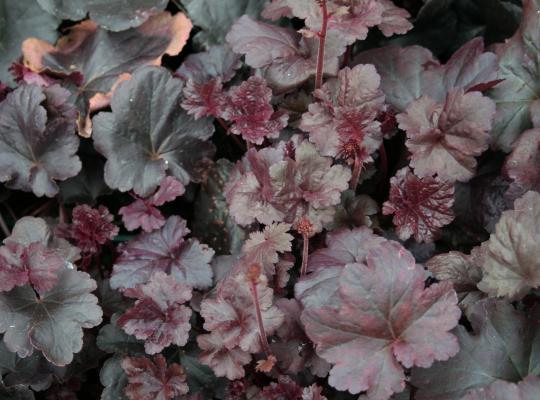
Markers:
(357, 170)
(384, 161)
(322, 42)
(227, 129)
(253, 278)
(4, 227)
(305, 228)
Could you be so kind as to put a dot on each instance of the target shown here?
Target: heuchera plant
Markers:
(269, 200)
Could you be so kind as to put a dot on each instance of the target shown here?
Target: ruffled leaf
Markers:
(518, 64)
(158, 316)
(52, 323)
(38, 144)
(511, 267)
(421, 206)
(232, 313)
(150, 379)
(273, 187)
(223, 361)
(263, 247)
(527, 389)
(385, 317)
(142, 213)
(444, 138)
(164, 250)
(343, 121)
(523, 165)
(248, 107)
(288, 60)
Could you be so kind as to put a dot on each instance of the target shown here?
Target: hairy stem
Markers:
(262, 332)
(348, 56)
(384, 161)
(227, 129)
(3, 226)
(305, 254)
(62, 215)
(41, 208)
(10, 211)
(322, 43)
(412, 394)
(357, 169)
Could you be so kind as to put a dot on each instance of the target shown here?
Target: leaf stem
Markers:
(227, 129)
(305, 255)
(412, 394)
(322, 43)
(258, 314)
(384, 161)
(3, 226)
(357, 169)
(41, 208)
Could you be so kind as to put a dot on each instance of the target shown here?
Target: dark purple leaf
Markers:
(114, 15)
(52, 323)
(147, 135)
(165, 250)
(38, 144)
(158, 316)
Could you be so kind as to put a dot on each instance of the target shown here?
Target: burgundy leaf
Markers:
(348, 20)
(223, 361)
(34, 264)
(205, 99)
(523, 165)
(385, 317)
(395, 20)
(421, 206)
(53, 322)
(152, 379)
(169, 189)
(248, 108)
(164, 250)
(158, 316)
(343, 247)
(276, 9)
(269, 186)
(263, 248)
(287, 59)
(141, 214)
(284, 388)
(313, 392)
(343, 121)
(444, 138)
(464, 271)
(292, 350)
(38, 144)
(232, 314)
(90, 228)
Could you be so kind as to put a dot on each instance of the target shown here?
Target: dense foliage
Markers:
(270, 199)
